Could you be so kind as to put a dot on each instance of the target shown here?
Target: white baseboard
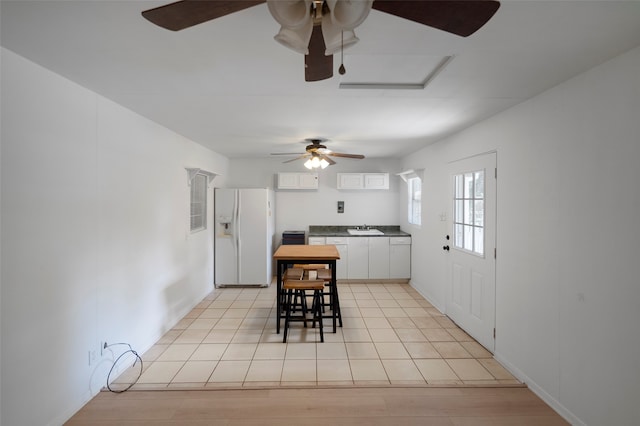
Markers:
(540, 392)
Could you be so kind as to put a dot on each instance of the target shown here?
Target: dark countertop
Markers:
(341, 231)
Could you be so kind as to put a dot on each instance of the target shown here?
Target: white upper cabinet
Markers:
(363, 180)
(376, 181)
(350, 181)
(297, 181)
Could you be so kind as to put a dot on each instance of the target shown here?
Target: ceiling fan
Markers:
(318, 155)
(320, 28)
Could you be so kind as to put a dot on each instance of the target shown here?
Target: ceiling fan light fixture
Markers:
(316, 162)
(295, 39)
(348, 14)
(308, 164)
(291, 14)
(333, 37)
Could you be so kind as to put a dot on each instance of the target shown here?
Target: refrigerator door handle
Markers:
(236, 234)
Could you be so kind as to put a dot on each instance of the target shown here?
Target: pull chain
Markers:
(342, 70)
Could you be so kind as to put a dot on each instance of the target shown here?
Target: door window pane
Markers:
(468, 237)
(459, 211)
(478, 213)
(479, 185)
(468, 212)
(468, 185)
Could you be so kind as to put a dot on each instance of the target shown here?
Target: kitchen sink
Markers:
(365, 232)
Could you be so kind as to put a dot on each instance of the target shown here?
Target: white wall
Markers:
(296, 210)
(95, 240)
(568, 239)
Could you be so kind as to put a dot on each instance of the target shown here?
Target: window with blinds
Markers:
(199, 203)
(415, 200)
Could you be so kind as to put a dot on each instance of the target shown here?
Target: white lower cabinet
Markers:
(400, 257)
(370, 258)
(343, 249)
(358, 262)
(379, 257)
(317, 241)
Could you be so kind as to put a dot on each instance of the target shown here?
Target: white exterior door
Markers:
(471, 246)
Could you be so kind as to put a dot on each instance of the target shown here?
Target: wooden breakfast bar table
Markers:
(307, 254)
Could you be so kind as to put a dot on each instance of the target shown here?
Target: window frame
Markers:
(414, 202)
(199, 187)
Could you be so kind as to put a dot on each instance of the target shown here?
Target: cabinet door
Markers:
(358, 262)
(400, 261)
(379, 257)
(297, 181)
(308, 180)
(341, 264)
(350, 181)
(287, 180)
(343, 249)
(376, 181)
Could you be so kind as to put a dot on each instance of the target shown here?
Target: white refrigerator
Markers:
(244, 236)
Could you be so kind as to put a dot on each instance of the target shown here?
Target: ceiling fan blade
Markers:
(460, 17)
(338, 154)
(284, 153)
(317, 66)
(187, 13)
(327, 159)
(297, 158)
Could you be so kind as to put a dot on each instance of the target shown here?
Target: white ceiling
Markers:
(228, 85)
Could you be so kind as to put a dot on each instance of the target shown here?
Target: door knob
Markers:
(445, 248)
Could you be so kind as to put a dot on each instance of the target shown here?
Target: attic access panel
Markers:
(391, 71)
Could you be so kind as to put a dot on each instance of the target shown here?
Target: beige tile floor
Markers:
(390, 336)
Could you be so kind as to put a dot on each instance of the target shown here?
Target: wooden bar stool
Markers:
(322, 272)
(294, 273)
(293, 286)
(334, 300)
(309, 272)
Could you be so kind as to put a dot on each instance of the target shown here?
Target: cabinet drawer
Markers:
(316, 241)
(336, 240)
(399, 240)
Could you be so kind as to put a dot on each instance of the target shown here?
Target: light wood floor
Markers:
(322, 406)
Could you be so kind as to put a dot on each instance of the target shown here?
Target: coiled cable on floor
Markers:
(115, 363)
